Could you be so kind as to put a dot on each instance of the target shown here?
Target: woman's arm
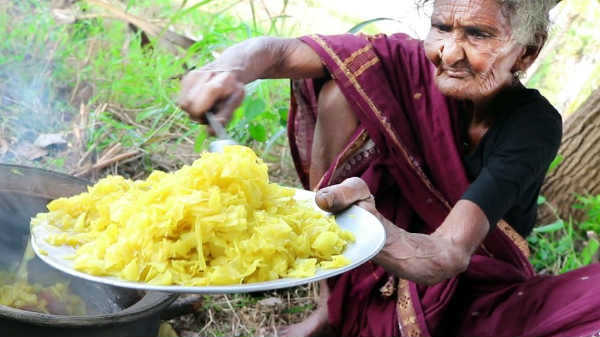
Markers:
(271, 57)
(222, 81)
(424, 259)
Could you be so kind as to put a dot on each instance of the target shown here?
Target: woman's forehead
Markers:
(488, 12)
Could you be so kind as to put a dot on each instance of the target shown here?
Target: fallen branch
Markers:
(146, 26)
(103, 163)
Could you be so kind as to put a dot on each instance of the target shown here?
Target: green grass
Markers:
(299, 309)
(562, 246)
(139, 83)
(143, 79)
(32, 95)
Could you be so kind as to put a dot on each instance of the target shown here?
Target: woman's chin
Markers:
(455, 92)
(459, 89)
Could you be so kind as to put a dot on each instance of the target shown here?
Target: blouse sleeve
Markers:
(522, 153)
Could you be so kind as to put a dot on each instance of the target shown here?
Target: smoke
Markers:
(34, 85)
(30, 104)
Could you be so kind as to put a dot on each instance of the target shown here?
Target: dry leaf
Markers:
(48, 139)
(64, 16)
(271, 302)
(30, 151)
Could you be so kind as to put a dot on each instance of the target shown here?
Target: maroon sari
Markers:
(406, 150)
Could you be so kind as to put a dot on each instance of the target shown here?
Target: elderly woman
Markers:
(451, 150)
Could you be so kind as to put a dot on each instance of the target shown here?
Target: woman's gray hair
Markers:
(530, 19)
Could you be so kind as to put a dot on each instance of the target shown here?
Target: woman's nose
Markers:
(452, 52)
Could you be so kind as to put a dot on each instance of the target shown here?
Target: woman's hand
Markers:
(353, 191)
(219, 86)
(205, 90)
(424, 259)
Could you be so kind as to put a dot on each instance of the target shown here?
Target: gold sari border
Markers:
(407, 319)
(384, 122)
(515, 237)
(357, 53)
(407, 316)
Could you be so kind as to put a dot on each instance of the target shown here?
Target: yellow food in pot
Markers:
(56, 299)
(216, 222)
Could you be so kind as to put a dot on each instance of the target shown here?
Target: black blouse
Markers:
(509, 165)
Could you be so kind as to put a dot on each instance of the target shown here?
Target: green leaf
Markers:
(571, 262)
(553, 227)
(199, 142)
(283, 116)
(58, 162)
(146, 114)
(541, 200)
(589, 251)
(258, 132)
(557, 161)
(254, 108)
(361, 25)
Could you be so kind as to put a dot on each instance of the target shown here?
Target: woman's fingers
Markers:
(339, 197)
(206, 94)
(188, 83)
(225, 110)
(202, 91)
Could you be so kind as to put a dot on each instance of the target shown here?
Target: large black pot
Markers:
(113, 311)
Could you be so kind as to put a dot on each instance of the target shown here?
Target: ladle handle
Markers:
(216, 126)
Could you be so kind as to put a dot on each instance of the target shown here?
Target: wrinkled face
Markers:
(471, 45)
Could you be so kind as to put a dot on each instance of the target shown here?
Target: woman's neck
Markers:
(483, 112)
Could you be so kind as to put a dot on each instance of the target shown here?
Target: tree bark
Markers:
(579, 173)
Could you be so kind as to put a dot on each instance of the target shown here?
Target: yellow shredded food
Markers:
(216, 222)
(56, 299)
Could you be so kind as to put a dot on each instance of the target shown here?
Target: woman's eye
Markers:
(442, 27)
(479, 34)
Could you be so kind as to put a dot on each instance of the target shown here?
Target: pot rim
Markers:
(150, 304)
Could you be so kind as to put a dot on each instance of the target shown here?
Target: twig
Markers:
(86, 155)
(235, 314)
(115, 148)
(134, 158)
(211, 321)
(138, 175)
(76, 87)
(275, 332)
(124, 117)
(114, 160)
(103, 163)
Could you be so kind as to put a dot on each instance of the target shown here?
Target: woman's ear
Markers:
(530, 53)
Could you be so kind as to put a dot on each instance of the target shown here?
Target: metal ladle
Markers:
(223, 138)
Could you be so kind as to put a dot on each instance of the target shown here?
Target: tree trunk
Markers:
(579, 173)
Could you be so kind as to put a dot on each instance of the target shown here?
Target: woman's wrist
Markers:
(249, 60)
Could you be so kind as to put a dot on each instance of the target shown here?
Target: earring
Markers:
(518, 74)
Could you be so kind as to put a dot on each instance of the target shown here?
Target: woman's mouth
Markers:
(457, 73)
(454, 73)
